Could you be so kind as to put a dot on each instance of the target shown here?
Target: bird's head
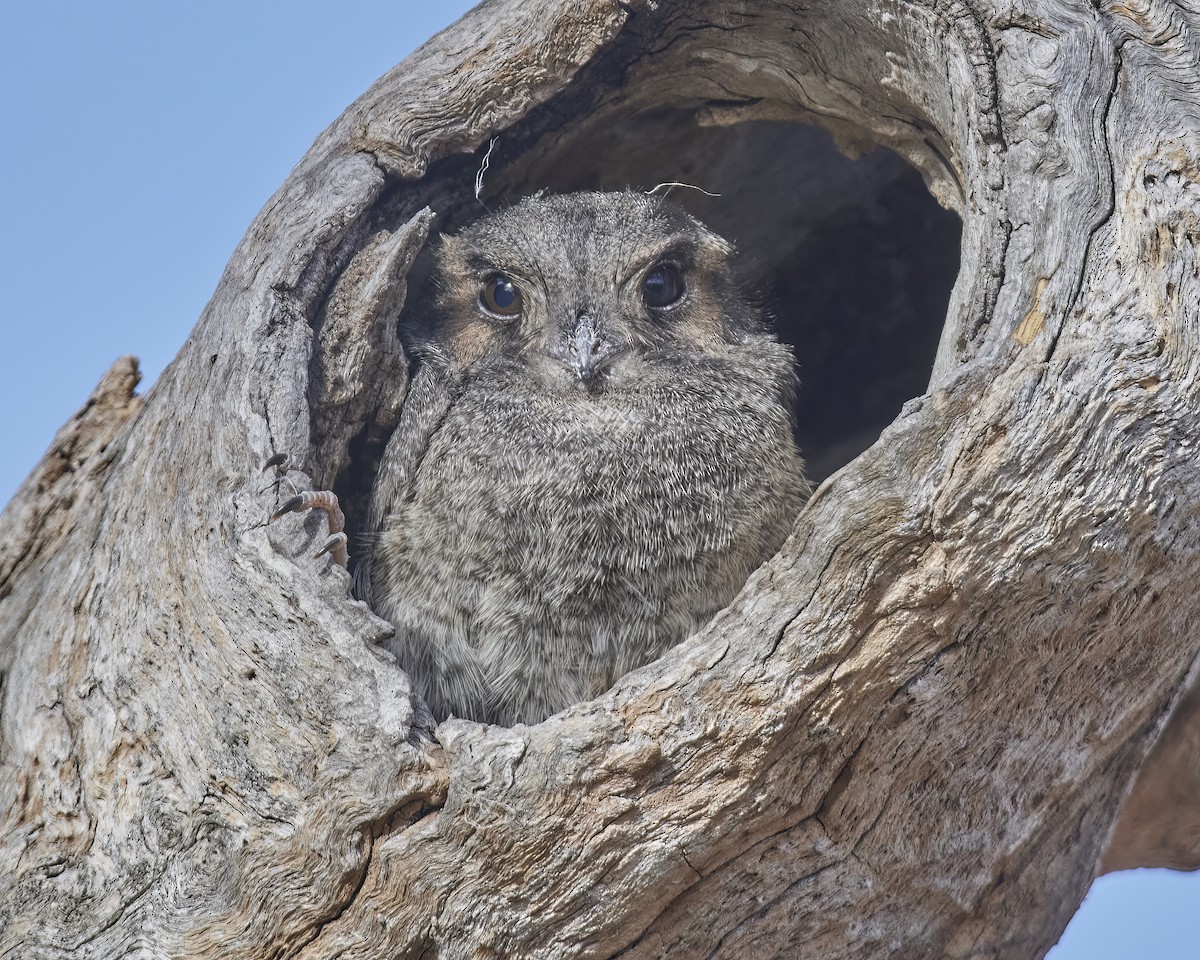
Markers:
(583, 290)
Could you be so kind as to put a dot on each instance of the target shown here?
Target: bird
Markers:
(595, 451)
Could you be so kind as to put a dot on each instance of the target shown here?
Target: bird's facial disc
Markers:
(586, 290)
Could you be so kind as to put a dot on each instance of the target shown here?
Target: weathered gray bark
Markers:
(911, 734)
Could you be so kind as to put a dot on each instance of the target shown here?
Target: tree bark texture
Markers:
(912, 733)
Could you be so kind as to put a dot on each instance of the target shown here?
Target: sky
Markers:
(140, 139)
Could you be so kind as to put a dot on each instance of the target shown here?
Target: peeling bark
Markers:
(914, 730)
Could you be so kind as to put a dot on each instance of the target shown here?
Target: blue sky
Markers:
(140, 139)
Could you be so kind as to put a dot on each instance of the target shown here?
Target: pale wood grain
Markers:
(911, 734)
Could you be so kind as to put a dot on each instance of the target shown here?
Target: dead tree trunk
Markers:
(912, 732)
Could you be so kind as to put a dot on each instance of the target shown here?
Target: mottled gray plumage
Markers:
(575, 488)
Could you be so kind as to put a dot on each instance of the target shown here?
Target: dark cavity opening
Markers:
(854, 258)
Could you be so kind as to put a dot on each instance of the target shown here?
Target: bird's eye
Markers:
(663, 286)
(500, 296)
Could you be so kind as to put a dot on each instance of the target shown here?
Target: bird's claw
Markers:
(335, 546)
(282, 463)
(281, 460)
(297, 504)
(325, 500)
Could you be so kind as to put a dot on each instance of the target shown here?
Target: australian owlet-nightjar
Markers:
(595, 452)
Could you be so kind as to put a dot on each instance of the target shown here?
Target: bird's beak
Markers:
(584, 351)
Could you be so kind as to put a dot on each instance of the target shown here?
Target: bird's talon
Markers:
(327, 501)
(281, 460)
(294, 505)
(335, 546)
